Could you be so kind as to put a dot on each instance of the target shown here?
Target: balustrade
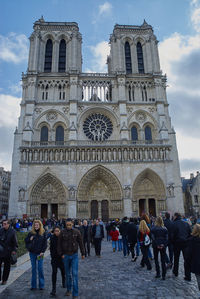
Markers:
(104, 154)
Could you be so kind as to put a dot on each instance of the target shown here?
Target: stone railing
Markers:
(90, 143)
(95, 154)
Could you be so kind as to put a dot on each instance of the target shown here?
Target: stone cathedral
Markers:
(94, 145)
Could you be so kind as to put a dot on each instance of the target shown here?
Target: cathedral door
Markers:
(104, 210)
(44, 210)
(94, 209)
(142, 206)
(152, 207)
(54, 210)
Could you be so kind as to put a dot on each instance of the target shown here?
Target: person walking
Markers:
(180, 235)
(159, 234)
(132, 238)
(114, 233)
(56, 260)
(86, 233)
(36, 243)
(97, 236)
(169, 225)
(144, 239)
(123, 231)
(193, 253)
(8, 246)
(68, 242)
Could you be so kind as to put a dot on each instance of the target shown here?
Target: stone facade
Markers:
(5, 177)
(191, 194)
(94, 145)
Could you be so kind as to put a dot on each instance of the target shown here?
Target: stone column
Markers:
(127, 201)
(49, 211)
(99, 209)
(55, 56)
(72, 201)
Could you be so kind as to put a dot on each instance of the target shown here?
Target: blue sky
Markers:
(176, 24)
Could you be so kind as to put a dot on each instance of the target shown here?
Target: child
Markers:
(56, 261)
(114, 233)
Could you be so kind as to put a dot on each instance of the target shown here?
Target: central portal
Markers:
(99, 195)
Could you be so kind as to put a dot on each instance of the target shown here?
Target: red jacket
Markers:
(114, 234)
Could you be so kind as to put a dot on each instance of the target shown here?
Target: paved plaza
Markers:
(111, 276)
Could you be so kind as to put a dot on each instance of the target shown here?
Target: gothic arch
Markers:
(149, 193)
(157, 185)
(149, 117)
(48, 185)
(99, 185)
(40, 119)
(127, 39)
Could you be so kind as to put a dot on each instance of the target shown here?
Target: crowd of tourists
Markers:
(148, 237)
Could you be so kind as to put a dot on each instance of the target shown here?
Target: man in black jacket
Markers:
(181, 234)
(56, 260)
(132, 237)
(8, 246)
(123, 231)
(97, 236)
(85, 230)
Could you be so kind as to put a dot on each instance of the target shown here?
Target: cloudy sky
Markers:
(176, 24)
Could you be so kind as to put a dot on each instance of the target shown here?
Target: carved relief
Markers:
(51, 116)
(38, 110)
(65, 109)
(141, 117)
(170, 190)
(22, 191)
(127, 191)
(72, 192)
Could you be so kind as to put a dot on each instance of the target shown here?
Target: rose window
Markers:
(97, 127)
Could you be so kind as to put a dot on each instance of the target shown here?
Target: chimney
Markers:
(191, 176)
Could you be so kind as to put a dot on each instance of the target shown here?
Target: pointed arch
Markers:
(128, 63)
(102, 173)
(48, 56)
(48, 186)
(140, 58)
(99, 194)
(148, 184)
(62, 56)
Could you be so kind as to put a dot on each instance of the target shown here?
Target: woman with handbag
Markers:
(144, 239)
(159, 234)
(36, 243)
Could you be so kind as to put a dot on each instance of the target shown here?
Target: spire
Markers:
(41, 20)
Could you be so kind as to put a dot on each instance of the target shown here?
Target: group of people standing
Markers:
(130, 235)
(64, 245)
(177, 236)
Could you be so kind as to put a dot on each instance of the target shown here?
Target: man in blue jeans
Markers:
(68, 242)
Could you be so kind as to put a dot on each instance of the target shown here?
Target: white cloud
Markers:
(13, 48)
(9, 110)
(16, 88)
(100, 53)
(105, 8)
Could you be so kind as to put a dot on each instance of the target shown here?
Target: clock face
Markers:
(97, 127)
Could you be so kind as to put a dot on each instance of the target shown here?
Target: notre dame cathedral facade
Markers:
(94, 145)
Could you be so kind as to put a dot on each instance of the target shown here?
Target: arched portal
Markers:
(149, 194)
(48, 198)
(99, 191)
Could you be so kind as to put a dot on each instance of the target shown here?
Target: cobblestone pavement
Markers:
(111, 276)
